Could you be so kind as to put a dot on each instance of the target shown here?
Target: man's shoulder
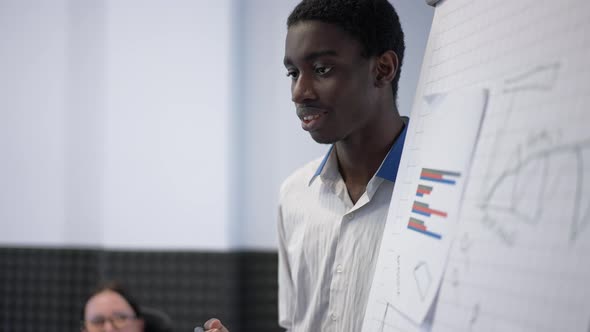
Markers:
(299, 179)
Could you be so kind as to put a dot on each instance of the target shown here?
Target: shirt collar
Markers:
(389, 166)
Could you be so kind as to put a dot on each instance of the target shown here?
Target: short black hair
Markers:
(374, 23)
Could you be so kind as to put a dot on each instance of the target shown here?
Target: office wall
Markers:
(115, 124)
(33, 42)
(167, 110)
(416, 18)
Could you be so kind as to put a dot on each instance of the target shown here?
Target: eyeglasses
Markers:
(118, 321)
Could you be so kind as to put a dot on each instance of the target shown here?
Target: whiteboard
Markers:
(520, 257)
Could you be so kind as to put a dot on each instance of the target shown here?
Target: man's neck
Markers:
(359, 157)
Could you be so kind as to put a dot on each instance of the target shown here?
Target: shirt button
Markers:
(350, 216)
(334, 317)
(339, 268)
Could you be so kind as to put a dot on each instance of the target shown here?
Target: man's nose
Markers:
(303, 89)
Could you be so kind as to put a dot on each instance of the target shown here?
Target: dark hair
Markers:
(374, 23)
(119, 289)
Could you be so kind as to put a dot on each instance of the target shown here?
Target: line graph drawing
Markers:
(539, 79)
(524, 188)
(529, 185)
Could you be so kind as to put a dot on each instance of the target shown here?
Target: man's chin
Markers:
(322, 139)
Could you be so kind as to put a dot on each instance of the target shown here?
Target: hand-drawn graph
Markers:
(536, 169)
(531, 205)
(534, 197)
(521, 192)
(540, 78)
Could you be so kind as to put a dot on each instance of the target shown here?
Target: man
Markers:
(344, 59)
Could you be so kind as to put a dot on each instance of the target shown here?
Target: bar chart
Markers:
(424, 210)
(422, 213)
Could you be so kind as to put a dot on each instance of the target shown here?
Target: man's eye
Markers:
(322, 70)
(292, 74)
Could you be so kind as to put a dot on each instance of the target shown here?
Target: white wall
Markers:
(153, 124)
(416, 18)
(84, 122)
(33, 67)
(115, 121)
(167, 122)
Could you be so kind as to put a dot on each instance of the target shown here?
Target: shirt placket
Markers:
(339, 267)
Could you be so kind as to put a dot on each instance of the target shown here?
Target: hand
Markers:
(214, 325)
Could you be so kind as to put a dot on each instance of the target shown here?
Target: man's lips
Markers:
(310, 113)
(311, 117)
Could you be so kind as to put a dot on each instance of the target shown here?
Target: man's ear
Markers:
(386, 68)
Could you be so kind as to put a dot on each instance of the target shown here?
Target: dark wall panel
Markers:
(44, 289)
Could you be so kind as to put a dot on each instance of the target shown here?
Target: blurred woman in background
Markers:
(111, 308)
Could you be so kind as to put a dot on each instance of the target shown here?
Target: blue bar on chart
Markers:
(434, 175)
(423, 190)
(419, 226)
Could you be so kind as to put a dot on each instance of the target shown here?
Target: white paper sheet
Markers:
(423, 214)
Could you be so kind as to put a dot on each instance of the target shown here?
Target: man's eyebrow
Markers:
(312, 56)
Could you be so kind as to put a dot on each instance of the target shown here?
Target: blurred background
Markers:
(145, 141)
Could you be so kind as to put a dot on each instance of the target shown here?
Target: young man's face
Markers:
(332, 83)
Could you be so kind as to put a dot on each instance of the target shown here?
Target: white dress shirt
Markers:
(328, 246)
